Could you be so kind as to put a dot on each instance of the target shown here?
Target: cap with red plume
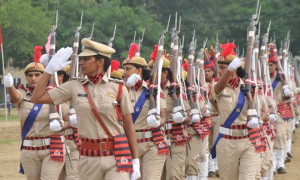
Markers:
(37, 53)
(115, 64)
(154, 53)
(209, 59)
(227, 54)
(272, 54)
(185, 67)
(134, 47)
(133, 58)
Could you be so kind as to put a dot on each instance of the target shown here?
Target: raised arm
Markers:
(57, 62)
(40, 94)
(15, 95)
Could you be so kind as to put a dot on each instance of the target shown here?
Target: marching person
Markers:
(282, 123)
(70, 170)
(210, 78)
(102, 112)
(39, 137)
(152, 148)
(236, 154)
(175, 128)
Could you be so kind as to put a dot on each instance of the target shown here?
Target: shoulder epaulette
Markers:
(116, 80)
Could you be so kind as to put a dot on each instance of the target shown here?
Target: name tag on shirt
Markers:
(82, 95)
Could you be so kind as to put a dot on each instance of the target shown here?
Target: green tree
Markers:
(23, 27)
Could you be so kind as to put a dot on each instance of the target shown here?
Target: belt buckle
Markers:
(147, 134)
(37, 143)
(102, 146)
(230, 132)
(168, 126)
(245, 132)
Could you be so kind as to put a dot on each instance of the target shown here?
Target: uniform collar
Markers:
(103, 79)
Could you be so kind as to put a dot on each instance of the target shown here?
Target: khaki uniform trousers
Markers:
(70, 170)
(281, 136)
(193, 158)
(38, 165)
(267, 158)
(214, 130)
(175, 166)
(151, 162)
(289, 129)
(100, 168)
(237, 159)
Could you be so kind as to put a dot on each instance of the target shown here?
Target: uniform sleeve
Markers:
(163, 103)
(213, 93)
(65, 109)
(125, 102)
(186, 105)
(62, 93)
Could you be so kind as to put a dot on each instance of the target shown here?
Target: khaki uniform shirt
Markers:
(104, 93)
(278, 91)
(141, 121)
(169, 102)
(40, 127)
(227, 101)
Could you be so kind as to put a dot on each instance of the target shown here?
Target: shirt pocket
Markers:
(225, 102)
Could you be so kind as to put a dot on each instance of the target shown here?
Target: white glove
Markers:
(55, 125)
(298, 89)
(178, 117)
(272, 117)
(236, 63)
(253, 123)
(134, 78)
(152, 121)
(73, 120)
(136, 174)
(8, 80)
(44, 59)
(59, 60)
(195, 118)
(287, 92)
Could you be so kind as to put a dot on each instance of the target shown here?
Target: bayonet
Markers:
(92, 31)
(134, 36)
(56, 19)
(113, 37)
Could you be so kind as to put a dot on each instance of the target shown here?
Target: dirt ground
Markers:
(10, 154)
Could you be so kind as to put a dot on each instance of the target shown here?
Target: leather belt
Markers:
(233, 132)
(36, 142)
(142, 135)
(102, 146)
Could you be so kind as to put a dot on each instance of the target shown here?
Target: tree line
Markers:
(26, 23)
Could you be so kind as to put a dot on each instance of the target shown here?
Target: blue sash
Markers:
(234, 114)
(139, 105)
(274, 83)
(28, 124)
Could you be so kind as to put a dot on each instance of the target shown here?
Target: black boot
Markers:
(211, 174)
(281, 170)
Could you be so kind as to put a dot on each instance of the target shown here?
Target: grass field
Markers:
(13, 115)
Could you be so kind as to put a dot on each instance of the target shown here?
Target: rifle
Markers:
(154, 87)
(92, 32)
(53, 113)
(175, 89)
(140, 44)
(110, 44)
(74, 59)
(191, 91)
(217, 54)
(250, 41)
